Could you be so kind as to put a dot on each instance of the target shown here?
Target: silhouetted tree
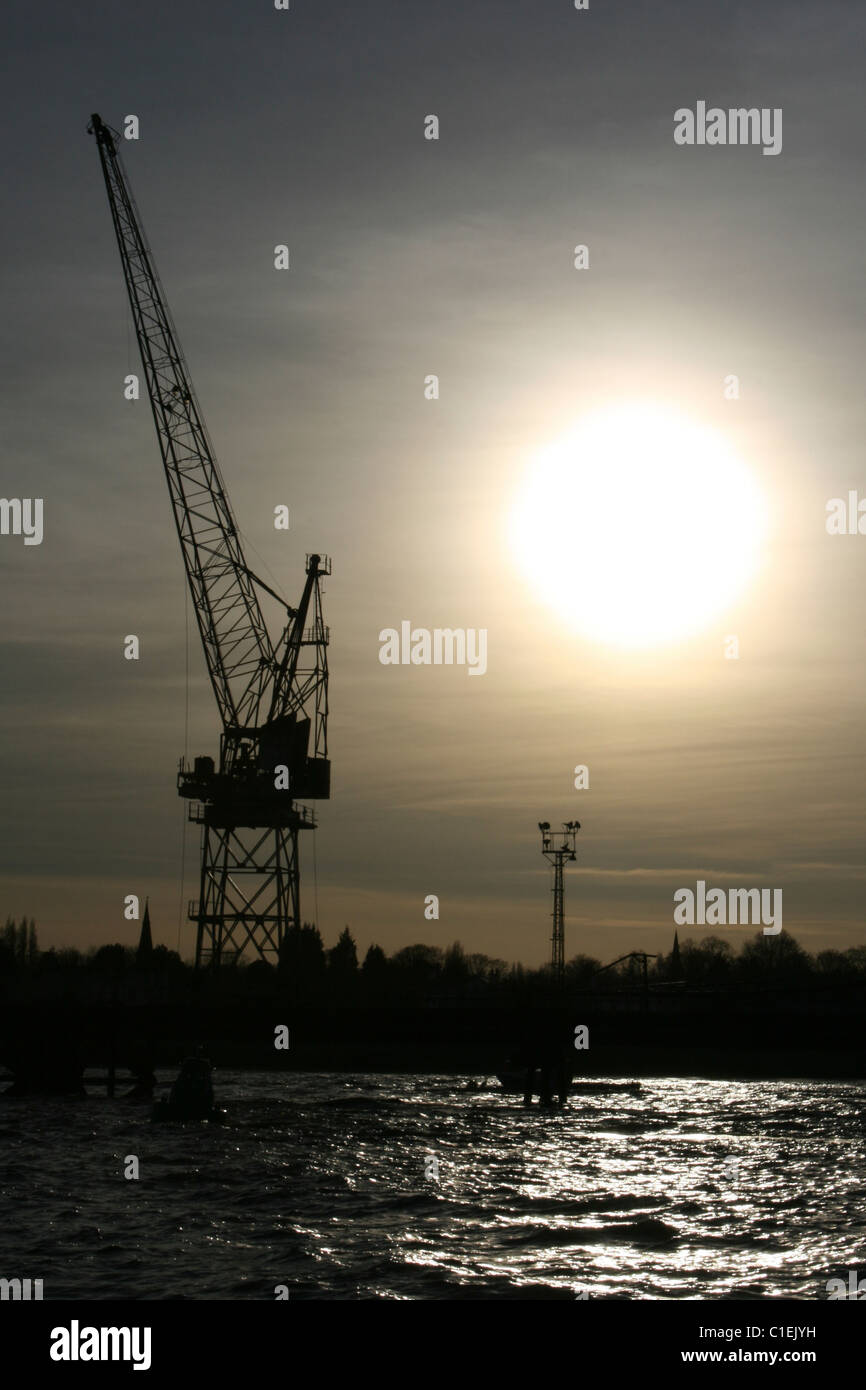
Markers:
(416, 969)
(375, 962)
(455, 967)
(302, 960)
(69, 958)
(343, 958)
(7, 956)
(486, 968)
(162, 959)
(375, 976)
(856, 956)
(580, 969)
(707, 962)
(113, 959)
(773, 960)
(835, 966)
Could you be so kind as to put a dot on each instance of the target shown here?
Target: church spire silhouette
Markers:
(145, 940)
(675, 967)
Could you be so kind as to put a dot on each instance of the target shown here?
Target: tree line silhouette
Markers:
(310, 972)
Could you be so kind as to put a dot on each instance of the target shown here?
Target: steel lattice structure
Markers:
(558, 848)
(272, 698)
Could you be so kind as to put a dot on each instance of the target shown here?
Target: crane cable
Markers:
(128, 325)
(185, 758)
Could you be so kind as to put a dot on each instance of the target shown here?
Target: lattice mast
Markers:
(272, 698)
(558, 848)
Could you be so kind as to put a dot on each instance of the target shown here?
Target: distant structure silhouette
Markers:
(272, 696)
(191, 1096)
(145, 941)
(675, 968)
(557, 846)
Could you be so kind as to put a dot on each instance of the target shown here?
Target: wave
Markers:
(649, 1230)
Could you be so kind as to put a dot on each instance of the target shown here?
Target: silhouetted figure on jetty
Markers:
(549, 1075)
(542, 1068)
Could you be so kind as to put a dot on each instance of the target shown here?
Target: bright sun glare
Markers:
(638, 527)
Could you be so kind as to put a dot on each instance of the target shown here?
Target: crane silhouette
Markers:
(272, 697)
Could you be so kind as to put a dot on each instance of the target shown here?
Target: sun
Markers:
(639, 527)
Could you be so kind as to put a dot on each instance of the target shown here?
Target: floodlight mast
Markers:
(558, 848)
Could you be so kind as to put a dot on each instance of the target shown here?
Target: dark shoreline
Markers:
(44, 1043)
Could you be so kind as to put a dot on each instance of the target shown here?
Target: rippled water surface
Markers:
(691, 1189)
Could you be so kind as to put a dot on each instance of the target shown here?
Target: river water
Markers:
(431, 1187)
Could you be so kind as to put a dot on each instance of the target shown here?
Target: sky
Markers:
(453, 257)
